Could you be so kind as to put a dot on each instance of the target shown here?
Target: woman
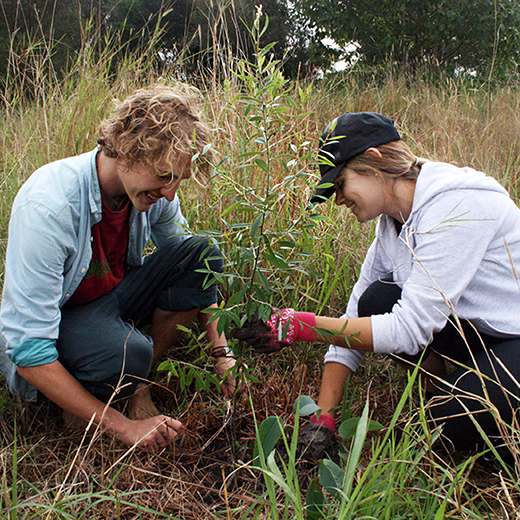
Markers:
(439, 281)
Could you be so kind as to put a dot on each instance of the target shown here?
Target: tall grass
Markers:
(279, 254)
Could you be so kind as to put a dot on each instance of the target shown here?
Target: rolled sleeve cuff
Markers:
(386, 342)
(350, 358)
(33, 352)
(380, 328)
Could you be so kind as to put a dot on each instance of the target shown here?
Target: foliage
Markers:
(383, 476)
(380, 478)
(266, 133)
(201, 37)
(48, 43)
(262, 248)
(57, 25)
(218, 32)
(475, 36)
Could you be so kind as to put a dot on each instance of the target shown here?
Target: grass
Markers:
(266, 132)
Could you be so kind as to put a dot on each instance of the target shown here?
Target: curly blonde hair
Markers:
(157, 126)
(397, 160)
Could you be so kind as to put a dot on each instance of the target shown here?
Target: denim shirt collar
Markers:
(94, 194)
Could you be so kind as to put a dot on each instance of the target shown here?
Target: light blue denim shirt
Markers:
(49, 252)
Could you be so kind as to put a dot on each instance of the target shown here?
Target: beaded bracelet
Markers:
(221, 351)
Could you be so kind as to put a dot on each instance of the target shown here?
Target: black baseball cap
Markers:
(349, 135)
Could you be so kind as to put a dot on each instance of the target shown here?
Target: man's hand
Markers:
(283, 328)
(154, 433)
(60, 387)
(224, 367)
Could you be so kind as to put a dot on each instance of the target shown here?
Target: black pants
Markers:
(486, 376)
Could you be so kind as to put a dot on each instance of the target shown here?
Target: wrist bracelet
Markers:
(222, 351)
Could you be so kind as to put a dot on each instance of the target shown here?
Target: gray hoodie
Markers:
(457, 254)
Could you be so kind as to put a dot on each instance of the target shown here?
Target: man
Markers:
(76, 280)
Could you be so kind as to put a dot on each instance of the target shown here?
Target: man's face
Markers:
(144, 188)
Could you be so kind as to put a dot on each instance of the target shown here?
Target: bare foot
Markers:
(141, 405)
(72, 422)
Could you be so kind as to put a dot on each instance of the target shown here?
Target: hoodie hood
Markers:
(436, 178)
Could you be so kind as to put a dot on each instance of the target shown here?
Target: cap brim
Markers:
(323, 194)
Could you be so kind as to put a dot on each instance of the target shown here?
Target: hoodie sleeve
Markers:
(451, 236)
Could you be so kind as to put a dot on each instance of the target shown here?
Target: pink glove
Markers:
(283, 328)
(324, 420)
(288, 326)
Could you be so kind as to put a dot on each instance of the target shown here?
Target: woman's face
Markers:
(367, 196)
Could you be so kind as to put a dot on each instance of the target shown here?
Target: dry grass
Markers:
(206, 474)
(200, 476)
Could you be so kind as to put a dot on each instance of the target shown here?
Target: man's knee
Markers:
(194, 254)
(131, 355)
(137, 354)
(208, 253)
(128, 364)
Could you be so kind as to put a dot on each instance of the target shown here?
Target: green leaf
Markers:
(268, 47)
(237, 296)
(331, 476)
(305, 405)
(269, 434)
(230, 208)
(354, 455)
(189, 377)
(348, 427)
(182, 328)
(315, 501)
(262, 164)
(200, 382)
(440, 513)
(276, 259)
(263, 281)
(256, 226)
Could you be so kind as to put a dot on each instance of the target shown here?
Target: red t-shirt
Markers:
(109, 249)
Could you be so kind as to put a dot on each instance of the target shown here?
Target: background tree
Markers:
(215, 33)
(55, 25)
(480, 36)
(202, 34)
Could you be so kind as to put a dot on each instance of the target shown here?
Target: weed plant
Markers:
(238, 459)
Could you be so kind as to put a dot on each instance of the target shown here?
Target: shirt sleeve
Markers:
(447, 247)
(33, 352)
(36, 259)
(169, 224)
